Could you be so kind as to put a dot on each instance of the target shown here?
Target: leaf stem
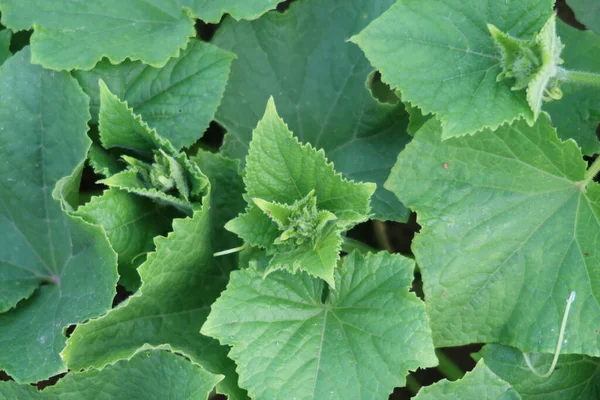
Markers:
(350, 244)
(447, 367)
(381, 236)
(580, 77)
(230, 251)
(412, 384)
(591, 173)
(561, 335)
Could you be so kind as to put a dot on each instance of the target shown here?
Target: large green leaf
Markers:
(179, 100)
(575, 377)
(441, 55)
(148, 375)
(357, 344)
(479, 384)
(509, 230)
(577, 114)
(43, 124)
(298, 205)
(587, 12)
(180, 281)
(319, 84)
(213, 10)
(77, 34)
(131, 223)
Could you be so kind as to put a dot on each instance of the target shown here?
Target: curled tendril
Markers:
(561, 335)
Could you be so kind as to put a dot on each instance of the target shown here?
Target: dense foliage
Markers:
(146, 256)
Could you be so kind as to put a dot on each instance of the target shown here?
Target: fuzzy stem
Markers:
(413, 385)
(580, 77)
(381, 236)
(230, 251)
(351, 244)
(561, 335)
(447, 367)
(591, 173)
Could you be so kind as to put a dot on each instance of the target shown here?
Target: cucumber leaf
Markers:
(358, 343)
(510, 227)
(102, 162)
(297, 205)
(577, 114)
(575, 376)
(77, 34)
(178, 100)
(319, 84)
(43, 125)
(479, 384)
(180, 281)
(213, 10)
(165, 176)
(587, 12)
(131, 223)
(441, 56)
(149, 375)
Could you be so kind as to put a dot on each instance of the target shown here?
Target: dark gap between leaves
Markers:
(460, 356)
(41, 385)
(212, 138)
(282, 7)
(205, 31)
(19, 40)
(122, 295)
(567, 15)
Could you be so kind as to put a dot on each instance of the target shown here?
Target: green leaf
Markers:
(575, 377)
(441, 56)
(359, 343)
(149, 375)
(213, 10)
(319, 84)
(131, 223)
(299, 181)
(417, 119)
(102, 162)
(180, 281)
(577, 114)
(168, 178)
(5, 53)
(179, 100)
(479, 384)
(77, 34)
(587, 12)
(508, 231)
(43, 124)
